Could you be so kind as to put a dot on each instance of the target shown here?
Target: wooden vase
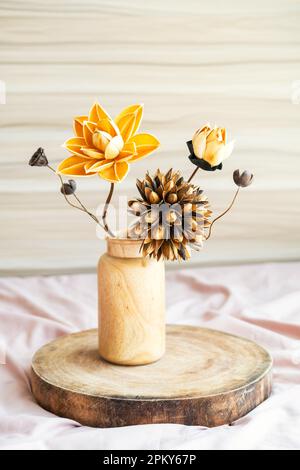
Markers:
(131, 291)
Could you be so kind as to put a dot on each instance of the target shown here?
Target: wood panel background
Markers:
(231, 62)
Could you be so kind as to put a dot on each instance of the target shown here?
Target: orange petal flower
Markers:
(105, 146)
(73, 165)
(78, 124)
(145, 144)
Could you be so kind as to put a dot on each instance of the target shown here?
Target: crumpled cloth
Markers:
(260, 302)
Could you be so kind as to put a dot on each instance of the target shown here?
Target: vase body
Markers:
(131, 292)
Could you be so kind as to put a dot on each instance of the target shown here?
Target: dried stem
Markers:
(87, 211)
(193, 174)
(107, 202)
(81, 207)
(223, 213)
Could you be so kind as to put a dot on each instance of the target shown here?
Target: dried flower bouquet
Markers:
(173, 214)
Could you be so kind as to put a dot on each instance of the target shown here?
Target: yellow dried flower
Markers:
(107, 146)
(209, 147)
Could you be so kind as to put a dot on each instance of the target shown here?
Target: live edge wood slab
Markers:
(206, 378)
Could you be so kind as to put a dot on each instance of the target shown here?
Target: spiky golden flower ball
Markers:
(173, 216)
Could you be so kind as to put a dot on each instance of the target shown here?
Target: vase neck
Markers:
(124, 247)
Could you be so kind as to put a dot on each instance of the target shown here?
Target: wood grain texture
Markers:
(233, 63)
(206, 378)
(131, 305)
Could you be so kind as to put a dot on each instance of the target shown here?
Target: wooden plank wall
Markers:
(231, 62)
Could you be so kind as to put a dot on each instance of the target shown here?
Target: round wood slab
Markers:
(206, 378)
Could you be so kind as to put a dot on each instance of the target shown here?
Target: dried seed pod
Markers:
(68, 188)
(170, 185)
(150, 217)
(242, 179)
(153, 197)
(136, 207)
(38, 158)
(158, 233)
(171, 198)
(171, 217)
(188, 208)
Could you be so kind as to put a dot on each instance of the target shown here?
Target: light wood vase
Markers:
(131, 291)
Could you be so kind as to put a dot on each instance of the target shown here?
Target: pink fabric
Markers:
(260, 302)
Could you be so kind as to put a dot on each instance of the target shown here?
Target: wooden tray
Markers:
(206, 378)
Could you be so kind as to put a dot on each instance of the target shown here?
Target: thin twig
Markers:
(82, 208)
(64, 193)
(193, 174)
(87, 211)
(223, 213)
(107, 202)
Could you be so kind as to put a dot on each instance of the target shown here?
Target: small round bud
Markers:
(68, 188)
(242, 179)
